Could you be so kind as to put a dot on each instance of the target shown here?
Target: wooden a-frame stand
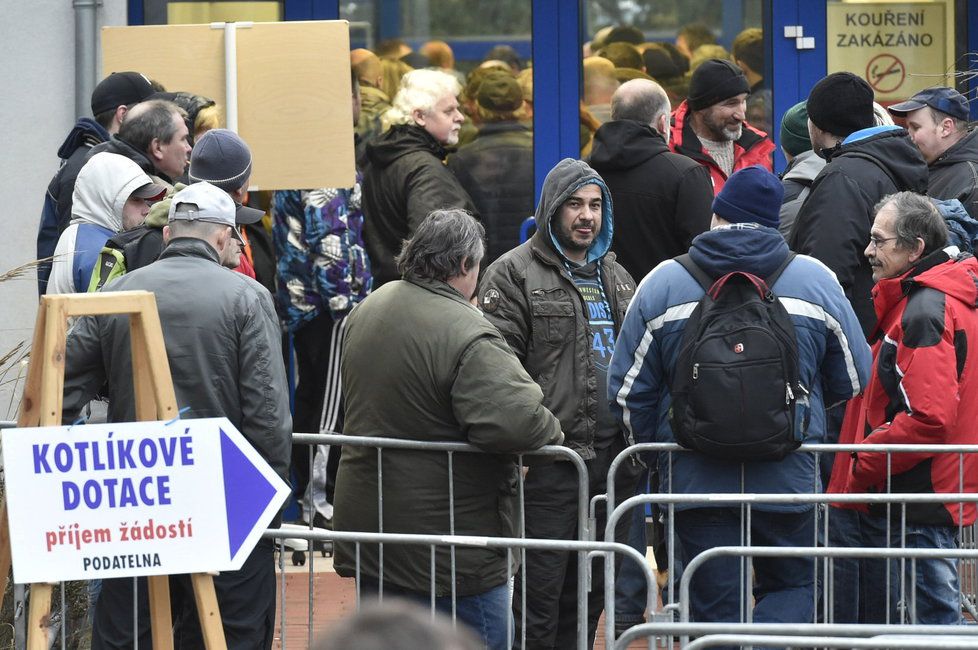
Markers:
(155, 400)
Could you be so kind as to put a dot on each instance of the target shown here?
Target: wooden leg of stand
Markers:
(208, 611)
(4, 549)
(160, 616)
(39, 617)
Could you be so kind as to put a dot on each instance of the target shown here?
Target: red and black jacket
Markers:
(923, 390)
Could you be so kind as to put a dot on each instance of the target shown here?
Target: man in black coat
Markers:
(937, 119)
(111, 100)
(865, 163)
(662, 199)
(406, 178)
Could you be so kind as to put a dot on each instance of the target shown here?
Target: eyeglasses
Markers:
(876, 242)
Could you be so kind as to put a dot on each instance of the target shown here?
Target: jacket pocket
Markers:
(553, 317)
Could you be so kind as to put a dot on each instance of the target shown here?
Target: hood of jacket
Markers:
(805, 167)
(964, 150)
(892, 150)
(86, 132)
(123, 148)
(563, 180)
(401, 140)
(948, 270)
(625, 144)
(104, 185)
(739, 247)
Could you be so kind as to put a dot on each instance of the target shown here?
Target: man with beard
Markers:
(711, 125)
(559, 300)
(406, 178)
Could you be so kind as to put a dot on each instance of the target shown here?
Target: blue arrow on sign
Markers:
(247, 493)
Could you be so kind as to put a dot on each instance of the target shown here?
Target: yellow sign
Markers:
(898, 47)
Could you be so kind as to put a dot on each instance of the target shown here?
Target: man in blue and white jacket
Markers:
(834, 362)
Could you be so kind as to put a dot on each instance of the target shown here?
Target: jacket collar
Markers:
(438, 287)
(888, 292)
(190, 247)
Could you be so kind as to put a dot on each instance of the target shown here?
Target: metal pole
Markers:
(86, 50)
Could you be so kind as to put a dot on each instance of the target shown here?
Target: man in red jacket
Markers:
(711, 125)
(923, 390)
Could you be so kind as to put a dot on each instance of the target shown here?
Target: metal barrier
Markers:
(821, 512)
(581, 547)
(876, 643)
(585, 532)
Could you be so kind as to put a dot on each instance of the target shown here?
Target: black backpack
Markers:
(736, 393)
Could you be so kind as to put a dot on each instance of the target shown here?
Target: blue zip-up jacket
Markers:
(834, 359)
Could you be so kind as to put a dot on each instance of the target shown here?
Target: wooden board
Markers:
(294, 107)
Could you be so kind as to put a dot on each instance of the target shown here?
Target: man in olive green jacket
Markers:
(420, 362)
(559, 300)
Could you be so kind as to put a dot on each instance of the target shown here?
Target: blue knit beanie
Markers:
(751, 195)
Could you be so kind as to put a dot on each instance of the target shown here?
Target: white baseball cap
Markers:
(204, 202)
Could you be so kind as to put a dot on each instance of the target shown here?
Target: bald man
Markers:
(662, 199)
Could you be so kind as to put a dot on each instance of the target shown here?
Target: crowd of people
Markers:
(420, 307)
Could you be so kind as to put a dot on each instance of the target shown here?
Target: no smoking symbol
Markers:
(885, 73)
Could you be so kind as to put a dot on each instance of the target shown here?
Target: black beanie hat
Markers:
(841, 104)
(714, 81)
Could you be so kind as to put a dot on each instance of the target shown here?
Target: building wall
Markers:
(37, 111)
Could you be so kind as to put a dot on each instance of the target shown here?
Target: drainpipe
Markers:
(86, 53)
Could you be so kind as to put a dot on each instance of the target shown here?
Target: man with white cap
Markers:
(221, 158)
(224, 350)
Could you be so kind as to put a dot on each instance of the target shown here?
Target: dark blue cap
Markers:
(945, 100)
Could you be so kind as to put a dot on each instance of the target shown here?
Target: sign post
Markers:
(130, 499)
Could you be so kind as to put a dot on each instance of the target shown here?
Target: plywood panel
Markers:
(294, 105)
(181, 57)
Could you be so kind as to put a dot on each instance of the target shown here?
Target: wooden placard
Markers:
(294, 107)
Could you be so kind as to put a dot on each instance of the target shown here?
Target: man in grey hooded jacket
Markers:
(559, 300)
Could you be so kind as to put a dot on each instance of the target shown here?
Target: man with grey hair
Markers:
(923, 390)
(662, 199)
(223, 346)
(407, 178)
(421, 363)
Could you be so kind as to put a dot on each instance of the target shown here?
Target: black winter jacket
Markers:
(496, 169)
(834, 222)
(405, 181)
(662, 199)
(56, 213)
(954, 175)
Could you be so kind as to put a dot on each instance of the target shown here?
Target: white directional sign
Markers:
(135, 499)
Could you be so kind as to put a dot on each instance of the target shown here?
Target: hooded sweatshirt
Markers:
(405, 181)
(104, 185)
(562, 318)
(834, 222)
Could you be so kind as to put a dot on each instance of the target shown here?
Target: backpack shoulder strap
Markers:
(694, 270)
(771, 279)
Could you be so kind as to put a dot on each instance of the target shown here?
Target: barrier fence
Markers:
(895, 506)
(671, 620)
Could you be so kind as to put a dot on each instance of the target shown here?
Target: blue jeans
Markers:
(931, 594)
(488, 614)
(859, 584)
(783, 588)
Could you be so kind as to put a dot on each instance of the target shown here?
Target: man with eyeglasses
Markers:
(922, 390)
